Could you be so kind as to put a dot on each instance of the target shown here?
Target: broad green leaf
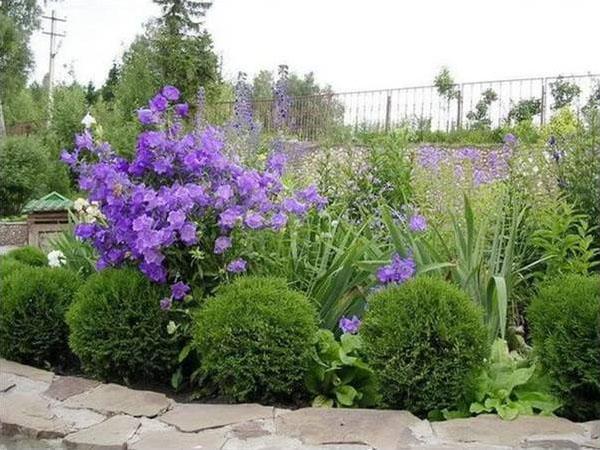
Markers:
(320, 401)
(345, 395)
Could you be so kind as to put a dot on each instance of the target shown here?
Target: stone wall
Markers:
(13, 233)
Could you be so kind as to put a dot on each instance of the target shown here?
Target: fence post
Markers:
(459, 109)
(543, 104)
(388, 112)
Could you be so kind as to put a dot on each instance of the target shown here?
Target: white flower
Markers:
(56, 258)
(171, 327)
(80, 204)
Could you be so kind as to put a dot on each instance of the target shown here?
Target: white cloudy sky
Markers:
(352, 44)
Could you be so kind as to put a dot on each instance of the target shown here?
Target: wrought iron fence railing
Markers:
(424, 108)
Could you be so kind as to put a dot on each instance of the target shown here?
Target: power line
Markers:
(53, 52)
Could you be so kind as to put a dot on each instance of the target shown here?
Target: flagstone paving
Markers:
(41, 410)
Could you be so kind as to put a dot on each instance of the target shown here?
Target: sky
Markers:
(350, 44)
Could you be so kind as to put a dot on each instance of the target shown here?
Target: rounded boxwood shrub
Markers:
(254, 338)
(118, 330)
(424, 339)
(9, 266)
(32, 256)
(33, 303)
(565, 325)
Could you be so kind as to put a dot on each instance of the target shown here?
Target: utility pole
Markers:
(53, 51)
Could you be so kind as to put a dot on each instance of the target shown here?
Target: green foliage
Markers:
(320, 256)
(32, 309)
(563, 92)
(15, 57)
(182, 16)
(481, 255)
(445, 85)
(23, 172)
(118, 330)
(338, 375)
(69, 107)
(565, 325)
(525, 110)
(511, 385)
(31, 256)
(479, 116)
(424, 339)
(79, 256)
(255, 338)
(8, 266)
(563, 238)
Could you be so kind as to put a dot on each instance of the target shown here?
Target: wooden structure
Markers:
(47, 217)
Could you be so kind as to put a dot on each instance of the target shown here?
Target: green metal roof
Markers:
(51, 202)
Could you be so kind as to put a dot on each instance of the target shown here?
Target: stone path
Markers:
(40, 410)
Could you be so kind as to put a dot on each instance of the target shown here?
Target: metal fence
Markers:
(420, 106)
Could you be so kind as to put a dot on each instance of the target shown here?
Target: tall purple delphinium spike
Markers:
(200, 109)
(282, 100)
(242, 108)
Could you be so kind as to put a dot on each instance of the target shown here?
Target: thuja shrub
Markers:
(565, 325)
(33, 302)
(424, 339)
(31, 256)
(118, 330)
(255, 338)
(9, 266)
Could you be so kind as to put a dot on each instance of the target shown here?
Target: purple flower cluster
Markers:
(486, 166)
(283, 101)
(176, 185)
(398, 271)
(242, 108)
(350, 326)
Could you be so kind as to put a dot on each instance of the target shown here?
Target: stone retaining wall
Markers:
(13, 233)
(38, 407)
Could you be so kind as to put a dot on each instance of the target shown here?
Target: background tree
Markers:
(182, 16)
(563, 92)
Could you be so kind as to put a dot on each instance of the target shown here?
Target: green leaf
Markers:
(345, 395)
(320, 401)
(351, 342)
(177, 379)
(185, 351)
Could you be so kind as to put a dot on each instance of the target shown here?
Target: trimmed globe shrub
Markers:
(118, 330)
(254, 338)
(565, 325)
(32, 256)
(9, 266)
(424, 339)
(33, 302)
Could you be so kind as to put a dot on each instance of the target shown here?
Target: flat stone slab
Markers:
(378, 428)
(114, 399)
(112, 434)
(176, 440)
(193, 417)
(489, 429)
(6, 383)
(30, 415)
(65, 387)
(25, 371)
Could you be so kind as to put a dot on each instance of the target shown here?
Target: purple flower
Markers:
(222, 243)
(400, 270)
(417, 223)
(182, 109)
(171, 93)
(349, 325)
(276, 163)
(159, 103)
(188, 234)
(278, 221)
(179, 290)
(146, 117)
(510, 139)
(237, 266)
(253, 221)
(68, 158)
(166, 303)
(292, 205)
